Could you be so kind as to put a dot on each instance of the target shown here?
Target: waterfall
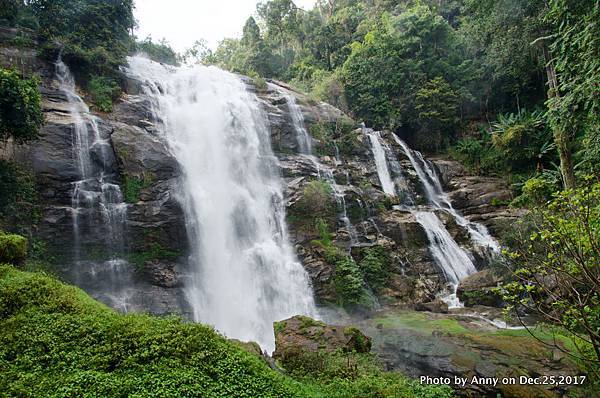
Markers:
(438, 198)
(453, 260)
(448, 255)
(96, 192)
(302, 137)
(245, 274)
(381, 163)
(305, 148)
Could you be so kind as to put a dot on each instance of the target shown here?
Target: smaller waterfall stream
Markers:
(380, 161)
(96, 192)
(454, 261)
(438, 198)
(305, 148)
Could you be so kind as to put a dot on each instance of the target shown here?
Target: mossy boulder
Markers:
(300, 334)
(13, 248)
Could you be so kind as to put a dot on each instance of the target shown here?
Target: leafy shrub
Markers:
(348, 282)
(375, 267)
(13, 248)
(159, 52)
(537, 190)
(103, 90)
(57, 341)
(20, 106)
(316, 202)
(557, 268)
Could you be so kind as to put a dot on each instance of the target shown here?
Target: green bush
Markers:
(20, 106)
(56, 341)
(348, 282)
(375, 267)
(103, 90)
(13, 248)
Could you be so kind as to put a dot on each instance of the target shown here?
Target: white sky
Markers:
(182, 22)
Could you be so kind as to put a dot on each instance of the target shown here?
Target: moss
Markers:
(13, 248)
(154, 251)
(20, 208)
(133, 186)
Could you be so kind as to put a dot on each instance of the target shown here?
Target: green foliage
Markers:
(57, 341)
(524, 140)
(159, 52)
(19, 203)
(437, 106)
(13, 248)
(317, 202)
(375, 267)
(557, 269)
(348, 282)
(133, 186)
(346, 375)
(154, 251)
(103, 90)
(20, 106)
(575, 46)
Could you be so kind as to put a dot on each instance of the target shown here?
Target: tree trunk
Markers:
(562, 138)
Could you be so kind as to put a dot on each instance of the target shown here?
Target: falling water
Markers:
(438, 198)
(450, 257)
(95, 192)
(382, 168)
(246, 275)
(455, 262)
(305, 148)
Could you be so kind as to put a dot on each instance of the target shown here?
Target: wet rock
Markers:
(162, 273)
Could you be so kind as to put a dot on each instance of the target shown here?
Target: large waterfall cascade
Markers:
(96, 192)
(305, 148)
(245, 274)
(454, 261)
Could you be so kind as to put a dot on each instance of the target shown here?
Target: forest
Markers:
(509, 89)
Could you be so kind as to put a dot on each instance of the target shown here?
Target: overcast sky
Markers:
(182, 22)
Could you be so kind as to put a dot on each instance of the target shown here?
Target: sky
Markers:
(182, 22)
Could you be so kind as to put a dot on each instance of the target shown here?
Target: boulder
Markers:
(479, 289)
(433, 306)
(300, 335)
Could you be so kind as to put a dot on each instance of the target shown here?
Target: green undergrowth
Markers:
(56, 341)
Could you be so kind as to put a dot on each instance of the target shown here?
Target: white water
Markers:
(380, 161)
(454, 260)
(305, 148)
(438, 198)
(246, 275)
(450, 257)
(302, 137)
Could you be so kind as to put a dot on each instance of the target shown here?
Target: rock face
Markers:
(153, 221)
(300, 334)
(361, 216)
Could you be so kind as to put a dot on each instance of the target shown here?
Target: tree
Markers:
(20, 106)
(573, 69)
(437, 107)
(557, 269)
